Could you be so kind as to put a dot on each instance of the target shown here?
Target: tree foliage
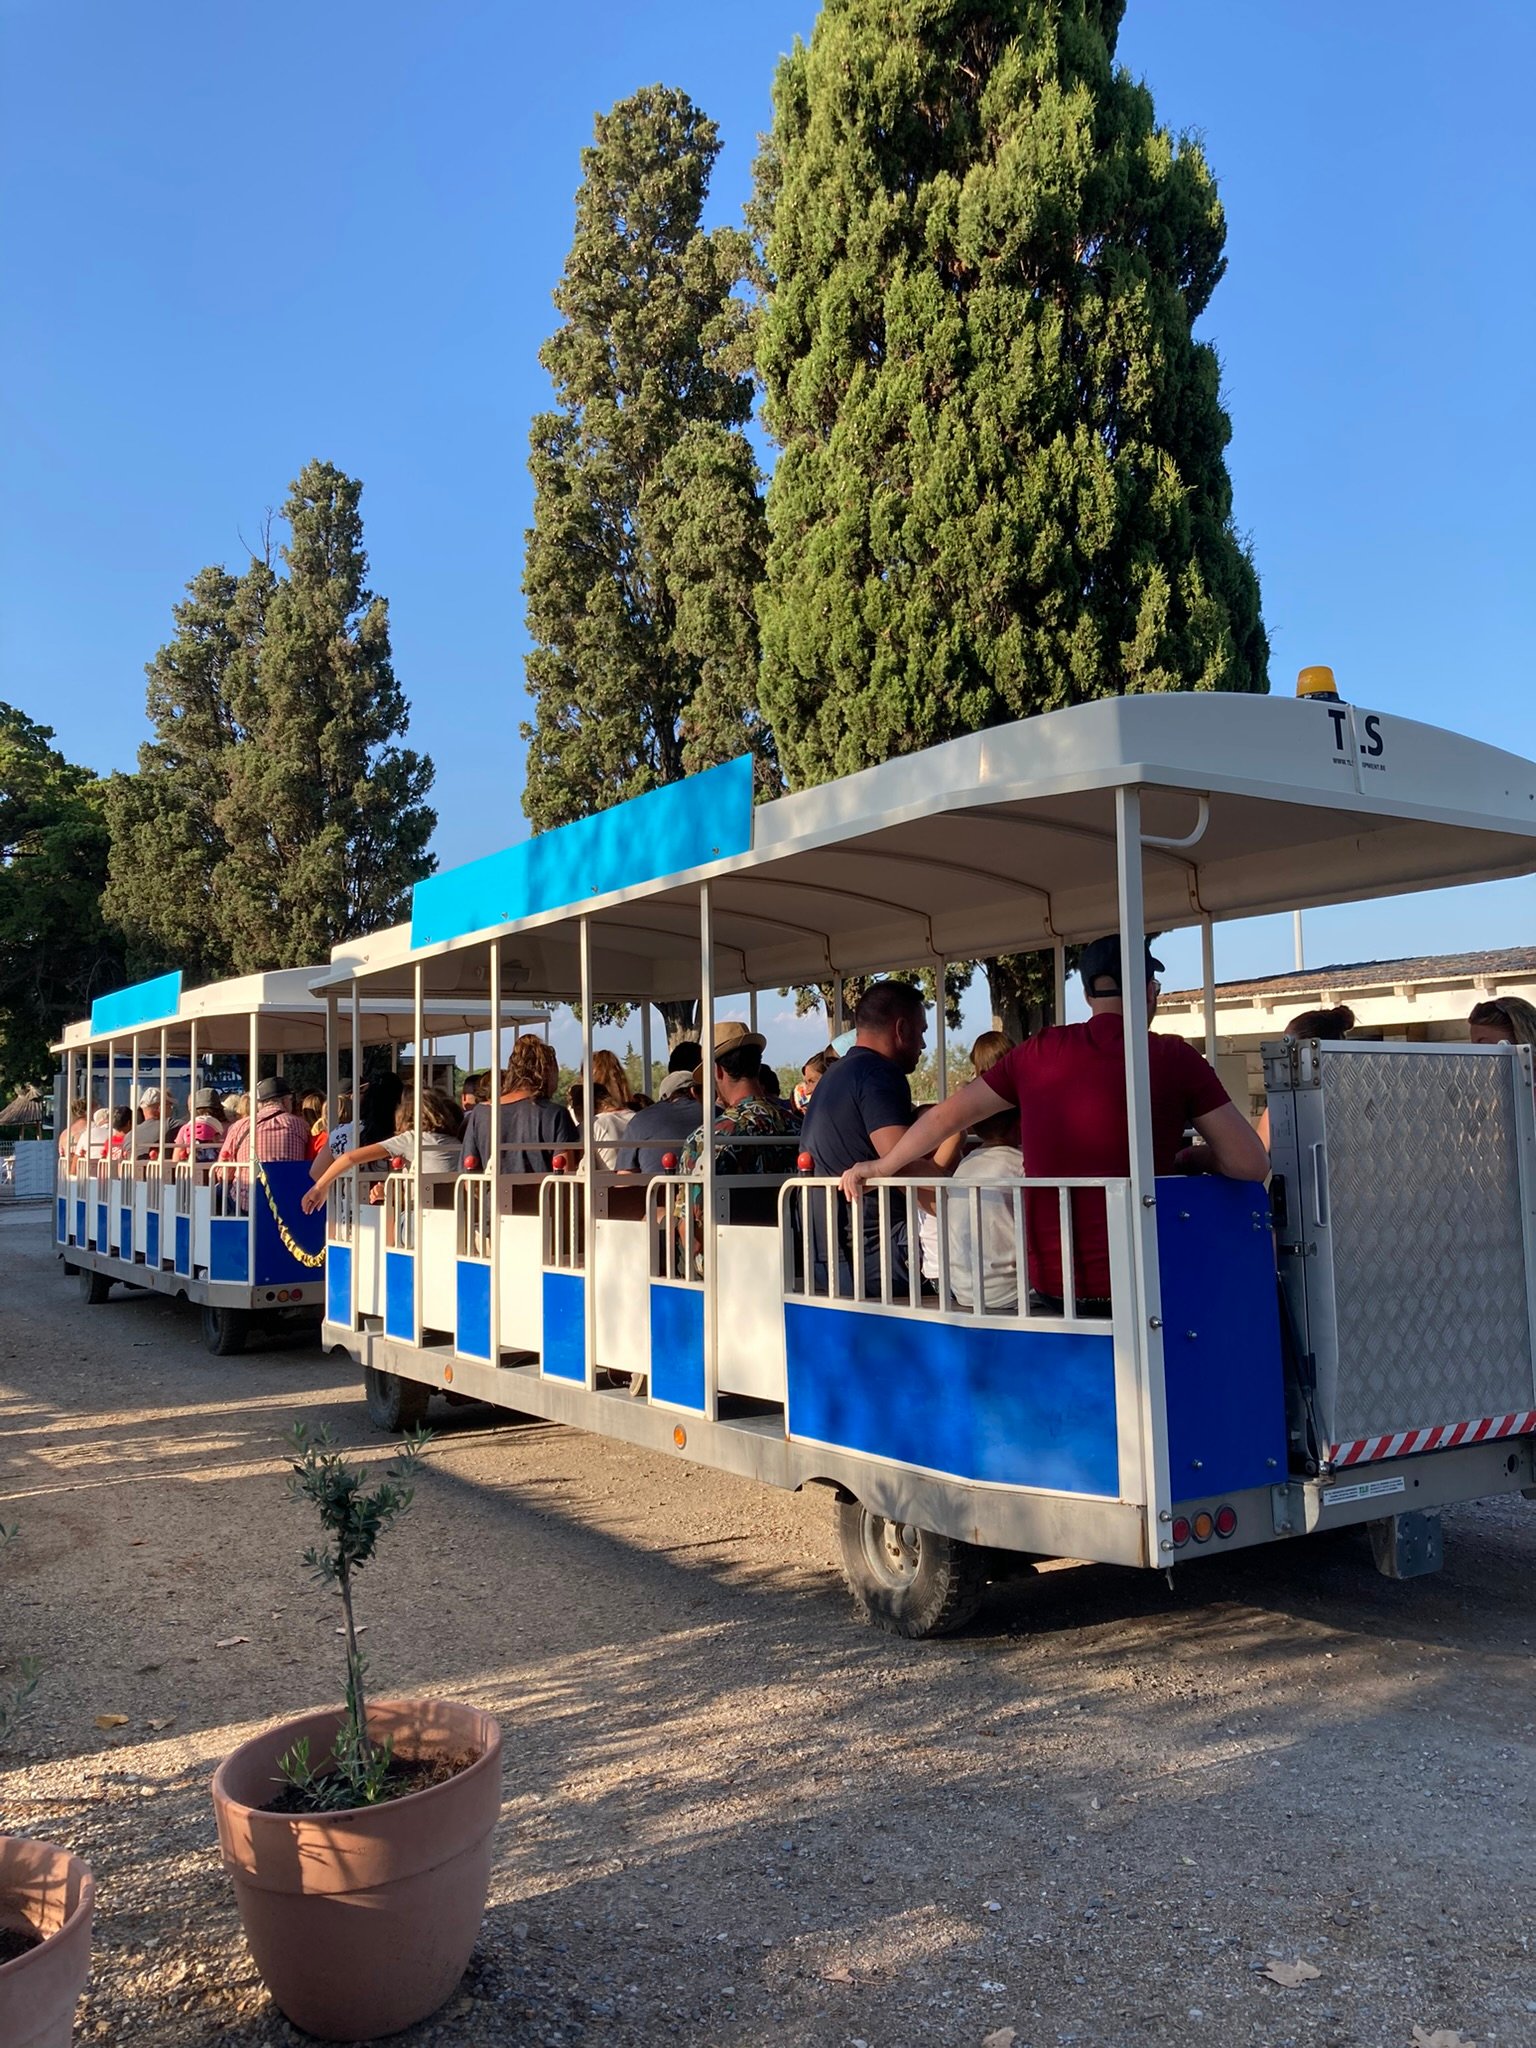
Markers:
(56, 953)
(1003, 486)
(647, 541)
(274, 812)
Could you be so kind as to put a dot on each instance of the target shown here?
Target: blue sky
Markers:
(236, 238)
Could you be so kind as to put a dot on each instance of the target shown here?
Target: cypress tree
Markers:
(325, 817)
(647, 540)
(167, 844)
(1002, 486)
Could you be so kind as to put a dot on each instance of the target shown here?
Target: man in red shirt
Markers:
(279, 1133)
(1068, 1085)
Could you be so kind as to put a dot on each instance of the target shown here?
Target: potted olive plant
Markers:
(359, 1836)
(46, 1902)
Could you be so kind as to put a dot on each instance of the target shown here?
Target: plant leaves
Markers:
(1441, 2037)
(111, 1720)
(1290, 1974)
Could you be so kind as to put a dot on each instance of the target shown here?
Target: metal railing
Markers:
(473, 1199)
(340, 1210)
(400, 1212)
(562, 1220)
(671, 1227)
(884, 1258)
(229, 1184)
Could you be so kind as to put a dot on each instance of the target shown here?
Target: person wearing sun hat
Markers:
(746, 1113)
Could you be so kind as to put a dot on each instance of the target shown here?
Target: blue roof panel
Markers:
(670, 831)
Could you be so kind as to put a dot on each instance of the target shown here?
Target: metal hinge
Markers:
(1297, 1251)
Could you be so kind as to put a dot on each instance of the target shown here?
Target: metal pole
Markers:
(1208, 984)
(588, 1162)
(752, 1010)
(1148, 1328)
(837, 1007)
(1060, 956)
(707, 1192)
(491, 1163)
(645, 1048)
(941, 1036)
(417, 1232)
(1300, 943)
(252, 1155)
(332, 1061)
(190, 1180)
(353, 1182)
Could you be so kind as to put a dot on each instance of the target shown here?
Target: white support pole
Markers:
(1299, 942)
(645, 1048)
(1143, 1176)
(491, 1163)
(353, 1178)
(418, 1067)
(588, 1162)
(252, 1192)
(707, 1158)
(941, 1035)
(1208, 984)
(332, 1061)
(191, 1179)
(1059, 954)
(752, 1010)
(837, 1006)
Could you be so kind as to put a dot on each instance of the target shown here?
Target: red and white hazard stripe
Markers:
(1364, 1450)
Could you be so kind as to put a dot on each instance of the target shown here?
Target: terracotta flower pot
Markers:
(361, 1923)
(49, 1892)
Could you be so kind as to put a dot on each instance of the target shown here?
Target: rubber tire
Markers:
(225, 1330)
(94, 1286)
(394, 1403)
(939, 1592)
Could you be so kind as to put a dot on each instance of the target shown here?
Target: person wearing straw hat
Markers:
(746, 1112)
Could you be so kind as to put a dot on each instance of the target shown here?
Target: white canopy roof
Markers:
(1004, 841)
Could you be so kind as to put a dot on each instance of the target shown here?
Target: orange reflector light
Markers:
(1226, 1521)
(1202, 1527)
(448, 1373)
(680, 1437)
(1180, 1531)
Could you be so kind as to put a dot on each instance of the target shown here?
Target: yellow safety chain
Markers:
(314, 1260)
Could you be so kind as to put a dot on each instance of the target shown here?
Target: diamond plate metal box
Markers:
(1410, 1179)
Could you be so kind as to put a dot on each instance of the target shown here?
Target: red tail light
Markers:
(1180, 1531)
(1226, 1521)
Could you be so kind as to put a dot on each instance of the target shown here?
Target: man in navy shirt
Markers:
(862, 1108)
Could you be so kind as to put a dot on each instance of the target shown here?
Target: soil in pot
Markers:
(17, 1941)
(406, 1774)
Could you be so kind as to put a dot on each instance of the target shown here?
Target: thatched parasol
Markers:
(29, 1107)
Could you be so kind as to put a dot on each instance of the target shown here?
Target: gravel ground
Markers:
(732, 1816)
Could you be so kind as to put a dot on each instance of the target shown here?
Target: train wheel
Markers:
(94, 1286)
(225, 1330)
(394, 1403)
(906, 1580)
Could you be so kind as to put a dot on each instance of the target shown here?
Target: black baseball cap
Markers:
(1101, 962)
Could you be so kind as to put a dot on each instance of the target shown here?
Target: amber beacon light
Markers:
(1318, 684)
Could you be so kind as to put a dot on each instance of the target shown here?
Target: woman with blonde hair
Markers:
(1503, 1020)
(613, 1107)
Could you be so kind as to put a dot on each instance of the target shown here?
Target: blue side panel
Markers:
(338, 1284)
(152, 1238)
(145, 1003)
(665, 832)
(229, 1249)
(125, 1233)
(400, 1296)
(103, 1242)
(1013, 1407)
(275, 1264)
(184, 1244)
(63, 1224)
(473, 1324)
(677, 1346)
(565, 1326)
(79, 1223)
(1221, 1337)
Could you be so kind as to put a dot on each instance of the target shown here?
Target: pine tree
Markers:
(1002, 486)
(56, 953)
(647, 543)
(325, 817)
